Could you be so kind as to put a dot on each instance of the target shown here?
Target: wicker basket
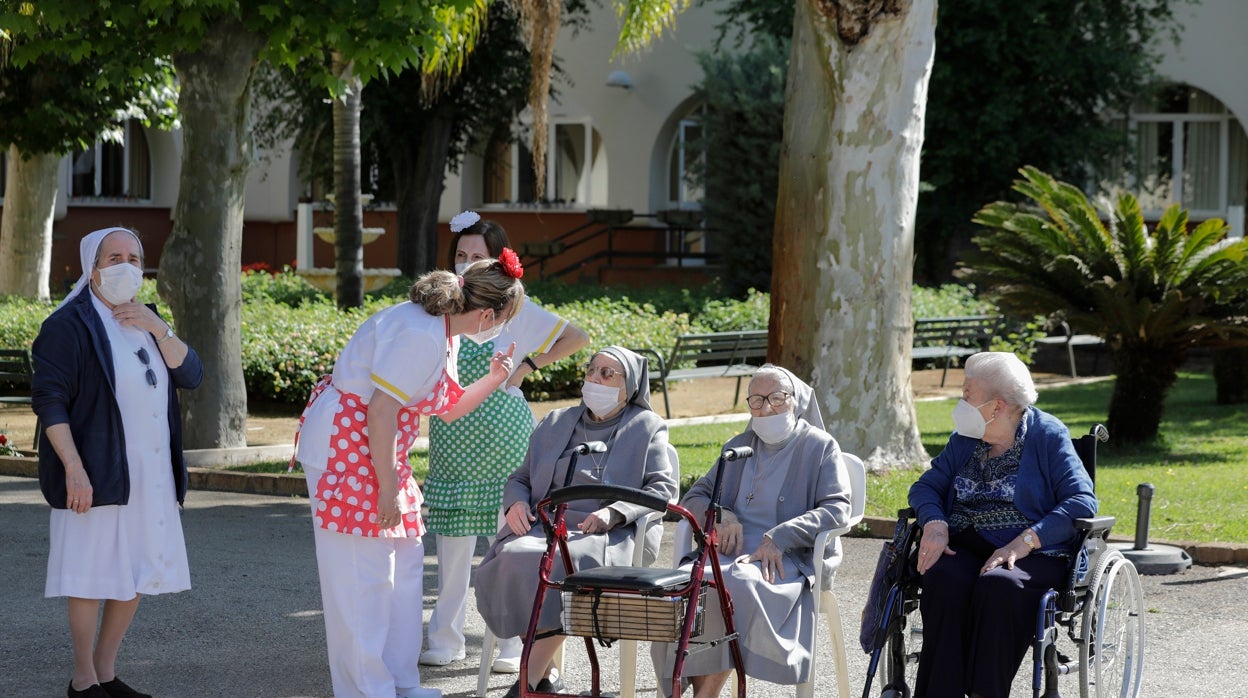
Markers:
(613, 616)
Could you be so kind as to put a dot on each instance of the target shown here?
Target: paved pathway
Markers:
(251, 626)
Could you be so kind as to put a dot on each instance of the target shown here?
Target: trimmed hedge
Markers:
(292, 333)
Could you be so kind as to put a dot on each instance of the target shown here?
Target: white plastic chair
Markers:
(825, 601)
(628, 648)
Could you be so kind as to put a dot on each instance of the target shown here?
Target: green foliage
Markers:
(20, 319)
(1150, 295)
(742, 128)
(285, 287)
(1012, 83)
(949, 300)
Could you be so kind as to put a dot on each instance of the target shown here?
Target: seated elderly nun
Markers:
(615, 409)
(774, 505)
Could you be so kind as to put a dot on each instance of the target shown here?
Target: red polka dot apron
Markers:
(346, 494)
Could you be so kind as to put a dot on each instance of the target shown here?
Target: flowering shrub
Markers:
(6, 447)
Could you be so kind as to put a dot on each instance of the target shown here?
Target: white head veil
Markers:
(88, 248)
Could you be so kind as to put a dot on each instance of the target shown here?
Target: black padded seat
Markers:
(644, 580)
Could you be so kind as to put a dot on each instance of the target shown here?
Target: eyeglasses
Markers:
(149, 374)
(606, 373)
(777, 399)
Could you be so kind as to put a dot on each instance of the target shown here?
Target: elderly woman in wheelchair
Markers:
(775, 502)
(997, 510)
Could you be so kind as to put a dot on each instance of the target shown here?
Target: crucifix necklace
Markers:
(599, 467)
(756, 480)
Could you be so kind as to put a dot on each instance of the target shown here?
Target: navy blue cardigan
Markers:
(1053, 488)
(73, 384)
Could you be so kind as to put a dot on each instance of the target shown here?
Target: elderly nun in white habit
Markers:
(615, 409)
(775, 503)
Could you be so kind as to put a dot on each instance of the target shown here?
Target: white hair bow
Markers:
(464, 220)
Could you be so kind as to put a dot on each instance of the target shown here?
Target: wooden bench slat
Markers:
(734, 354)
(952, 337)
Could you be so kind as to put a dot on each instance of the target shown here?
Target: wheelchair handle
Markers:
(619, 493)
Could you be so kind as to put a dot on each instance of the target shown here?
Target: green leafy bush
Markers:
(285, 287)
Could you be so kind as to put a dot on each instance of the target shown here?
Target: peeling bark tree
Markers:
(199, 267)
(844, 240)
(26, 229)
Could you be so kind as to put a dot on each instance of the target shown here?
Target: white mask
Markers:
(968, 420)
(120, 282)
(774, 428)
(488, 334)
(460, 267)
(600, 399)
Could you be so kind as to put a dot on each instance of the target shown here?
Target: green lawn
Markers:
(1197, 467)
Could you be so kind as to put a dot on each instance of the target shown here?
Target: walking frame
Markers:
(623, 602)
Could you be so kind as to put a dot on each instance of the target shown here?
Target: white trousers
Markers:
(371, 591)
(446, 625)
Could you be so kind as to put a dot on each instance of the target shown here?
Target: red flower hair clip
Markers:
(511, 263)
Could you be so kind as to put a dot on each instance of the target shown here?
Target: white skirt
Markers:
(118, 551)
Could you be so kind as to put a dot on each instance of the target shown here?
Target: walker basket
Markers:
(629, 603)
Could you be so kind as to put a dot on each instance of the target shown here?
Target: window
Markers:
(574, 155)
(113, 170)
(684, 158)
(1188, 148)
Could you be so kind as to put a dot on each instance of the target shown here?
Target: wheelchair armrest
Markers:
(1095, 524)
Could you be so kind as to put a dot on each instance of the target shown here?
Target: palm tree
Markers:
(1150, 295)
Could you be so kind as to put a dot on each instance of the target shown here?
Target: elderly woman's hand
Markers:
(519, 518)
(1006, 555)
(935, 542)
(600, 521)
(140, 316)
(78, 491)
(772, 559)
(729, 532)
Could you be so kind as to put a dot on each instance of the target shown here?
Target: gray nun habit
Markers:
(789, 492)
(638, 455)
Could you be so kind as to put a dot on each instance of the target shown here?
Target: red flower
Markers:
(3, 440)
(511, 263)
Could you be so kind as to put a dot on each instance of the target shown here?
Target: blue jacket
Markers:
(73, 384)
(1053, 488)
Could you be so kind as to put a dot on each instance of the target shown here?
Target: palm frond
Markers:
(643, 21)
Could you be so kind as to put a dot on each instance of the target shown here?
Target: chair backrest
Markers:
(1085, 447)
(857, 471)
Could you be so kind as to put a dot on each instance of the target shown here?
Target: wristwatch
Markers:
(1030, 539)
(167, 335)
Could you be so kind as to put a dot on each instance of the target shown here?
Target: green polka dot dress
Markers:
(471, 458)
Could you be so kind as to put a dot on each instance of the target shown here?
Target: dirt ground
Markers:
(269, 425)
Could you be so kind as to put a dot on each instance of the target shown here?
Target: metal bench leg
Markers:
(945, 371)
(667, 407)
(1070, 351)
(736, 399)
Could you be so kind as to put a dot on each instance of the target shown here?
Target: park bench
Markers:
(735, 354)
(948, 338)
(15, 375)
(1070, 340)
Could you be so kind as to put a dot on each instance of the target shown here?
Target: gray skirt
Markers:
(508, 576)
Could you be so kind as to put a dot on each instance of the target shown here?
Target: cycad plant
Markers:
(1150, 295)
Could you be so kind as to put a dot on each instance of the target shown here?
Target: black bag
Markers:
(887, 573)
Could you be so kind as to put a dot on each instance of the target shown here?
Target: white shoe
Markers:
(440, 657)
(506, 665)
(418, 692)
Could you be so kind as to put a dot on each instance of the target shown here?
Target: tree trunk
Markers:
(199, 267)
(26, 224)
(1143, 377)
(843, 250)
(348, 210)
(419, 166)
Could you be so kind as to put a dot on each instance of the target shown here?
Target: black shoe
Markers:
(92, 691)
(543, 686)
(118, 689)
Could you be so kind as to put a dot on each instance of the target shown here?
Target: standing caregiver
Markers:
(107, 371)
(354, 438)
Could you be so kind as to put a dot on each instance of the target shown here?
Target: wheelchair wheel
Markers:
(901, 653)
(1111, 654)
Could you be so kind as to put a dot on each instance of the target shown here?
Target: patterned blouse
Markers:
(984, 494)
